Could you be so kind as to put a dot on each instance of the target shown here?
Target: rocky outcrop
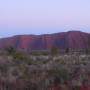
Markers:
(71, 39)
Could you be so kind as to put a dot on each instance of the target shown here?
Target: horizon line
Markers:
(43, 34)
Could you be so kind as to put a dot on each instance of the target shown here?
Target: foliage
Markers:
(61, 74)
(54, 51)
(67, 50)
(10, 50)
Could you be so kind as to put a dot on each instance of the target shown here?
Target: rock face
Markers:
(71, 39)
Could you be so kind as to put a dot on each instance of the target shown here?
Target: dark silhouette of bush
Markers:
(10, 50)
(67, 50)
(54, 51)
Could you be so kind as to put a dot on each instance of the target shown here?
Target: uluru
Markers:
(62, 40)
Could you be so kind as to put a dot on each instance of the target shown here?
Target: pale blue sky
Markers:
(43, 16)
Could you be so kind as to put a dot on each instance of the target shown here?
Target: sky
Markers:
(43, 16)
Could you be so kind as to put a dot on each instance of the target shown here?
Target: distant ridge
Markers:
(70, 39)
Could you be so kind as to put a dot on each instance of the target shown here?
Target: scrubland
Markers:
(19, 71)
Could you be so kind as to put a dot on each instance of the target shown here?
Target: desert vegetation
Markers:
(44, 71)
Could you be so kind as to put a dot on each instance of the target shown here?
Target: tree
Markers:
(54, 51)
(67, 50)
(10, 50)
